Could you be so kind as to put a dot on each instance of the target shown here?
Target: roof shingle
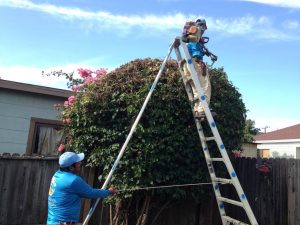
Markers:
(292, 132)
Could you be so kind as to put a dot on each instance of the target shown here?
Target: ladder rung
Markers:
(222, 180)
(230, 201)
(210, 138)
(234, 221)
(217, 159)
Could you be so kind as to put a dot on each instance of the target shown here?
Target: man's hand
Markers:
(113, 190)
(213, 57)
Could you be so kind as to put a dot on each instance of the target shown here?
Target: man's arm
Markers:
(84, 190)
(209, 54)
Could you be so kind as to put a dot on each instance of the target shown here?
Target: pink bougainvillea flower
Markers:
(90, 80)
(67, 120)
(61, 147)
(66, 103)
(76, 88)
(101, 72)
(237, 154)
(71, 99)
(84, 73)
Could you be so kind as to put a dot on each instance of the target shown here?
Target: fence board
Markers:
(25, 182)
(293, 192)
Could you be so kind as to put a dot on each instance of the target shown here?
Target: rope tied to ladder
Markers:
(167, 186)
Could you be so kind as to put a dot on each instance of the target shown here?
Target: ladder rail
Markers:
(132, 130)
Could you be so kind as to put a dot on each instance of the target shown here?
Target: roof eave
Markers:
(277, 141)
(16, 86)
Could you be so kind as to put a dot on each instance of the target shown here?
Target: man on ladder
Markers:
(194, 37)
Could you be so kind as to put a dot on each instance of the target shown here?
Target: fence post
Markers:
(90, 174)
(291, 191)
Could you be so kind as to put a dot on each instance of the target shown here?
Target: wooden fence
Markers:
(274, 197)
(24, 185)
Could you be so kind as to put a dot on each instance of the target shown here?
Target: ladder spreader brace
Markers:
(226, 220)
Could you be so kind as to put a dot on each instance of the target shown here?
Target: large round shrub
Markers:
(165, 148)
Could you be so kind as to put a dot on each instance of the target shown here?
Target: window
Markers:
(263, 153)
(44, 136)
(266, 153)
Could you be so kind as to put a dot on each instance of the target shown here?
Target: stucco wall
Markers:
(16, 110)
(249, 150)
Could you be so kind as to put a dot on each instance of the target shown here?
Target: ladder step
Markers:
(230, 201)
(222, 180)
(234, 221)
(210, 138)
(217, 159)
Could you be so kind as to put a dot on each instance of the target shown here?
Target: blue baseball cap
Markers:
(69, 158)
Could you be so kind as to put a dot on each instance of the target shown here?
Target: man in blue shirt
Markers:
(197, 50)
(66, 190)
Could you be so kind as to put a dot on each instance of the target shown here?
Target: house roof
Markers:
(16, 86)
(292, 132)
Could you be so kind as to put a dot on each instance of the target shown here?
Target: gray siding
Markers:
(16, 110)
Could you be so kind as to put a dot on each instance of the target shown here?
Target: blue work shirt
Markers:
(66, 190)
(196, 49)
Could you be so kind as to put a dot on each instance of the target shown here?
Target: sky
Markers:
(257, 43)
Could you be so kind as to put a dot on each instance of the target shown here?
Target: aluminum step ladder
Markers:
(226, 220)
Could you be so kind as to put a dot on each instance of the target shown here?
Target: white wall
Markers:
(282, 147)
(16, 110)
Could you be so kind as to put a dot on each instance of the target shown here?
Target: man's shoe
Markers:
(181, 63)
(201, 115)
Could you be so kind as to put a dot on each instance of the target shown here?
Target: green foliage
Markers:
(250, 130)
(227, 102)
(165, 148)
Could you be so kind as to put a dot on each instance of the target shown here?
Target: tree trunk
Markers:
(160, 211)
(143, 211)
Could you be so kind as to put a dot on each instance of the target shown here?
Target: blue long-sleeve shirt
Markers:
(196, 49)
(66, 190)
